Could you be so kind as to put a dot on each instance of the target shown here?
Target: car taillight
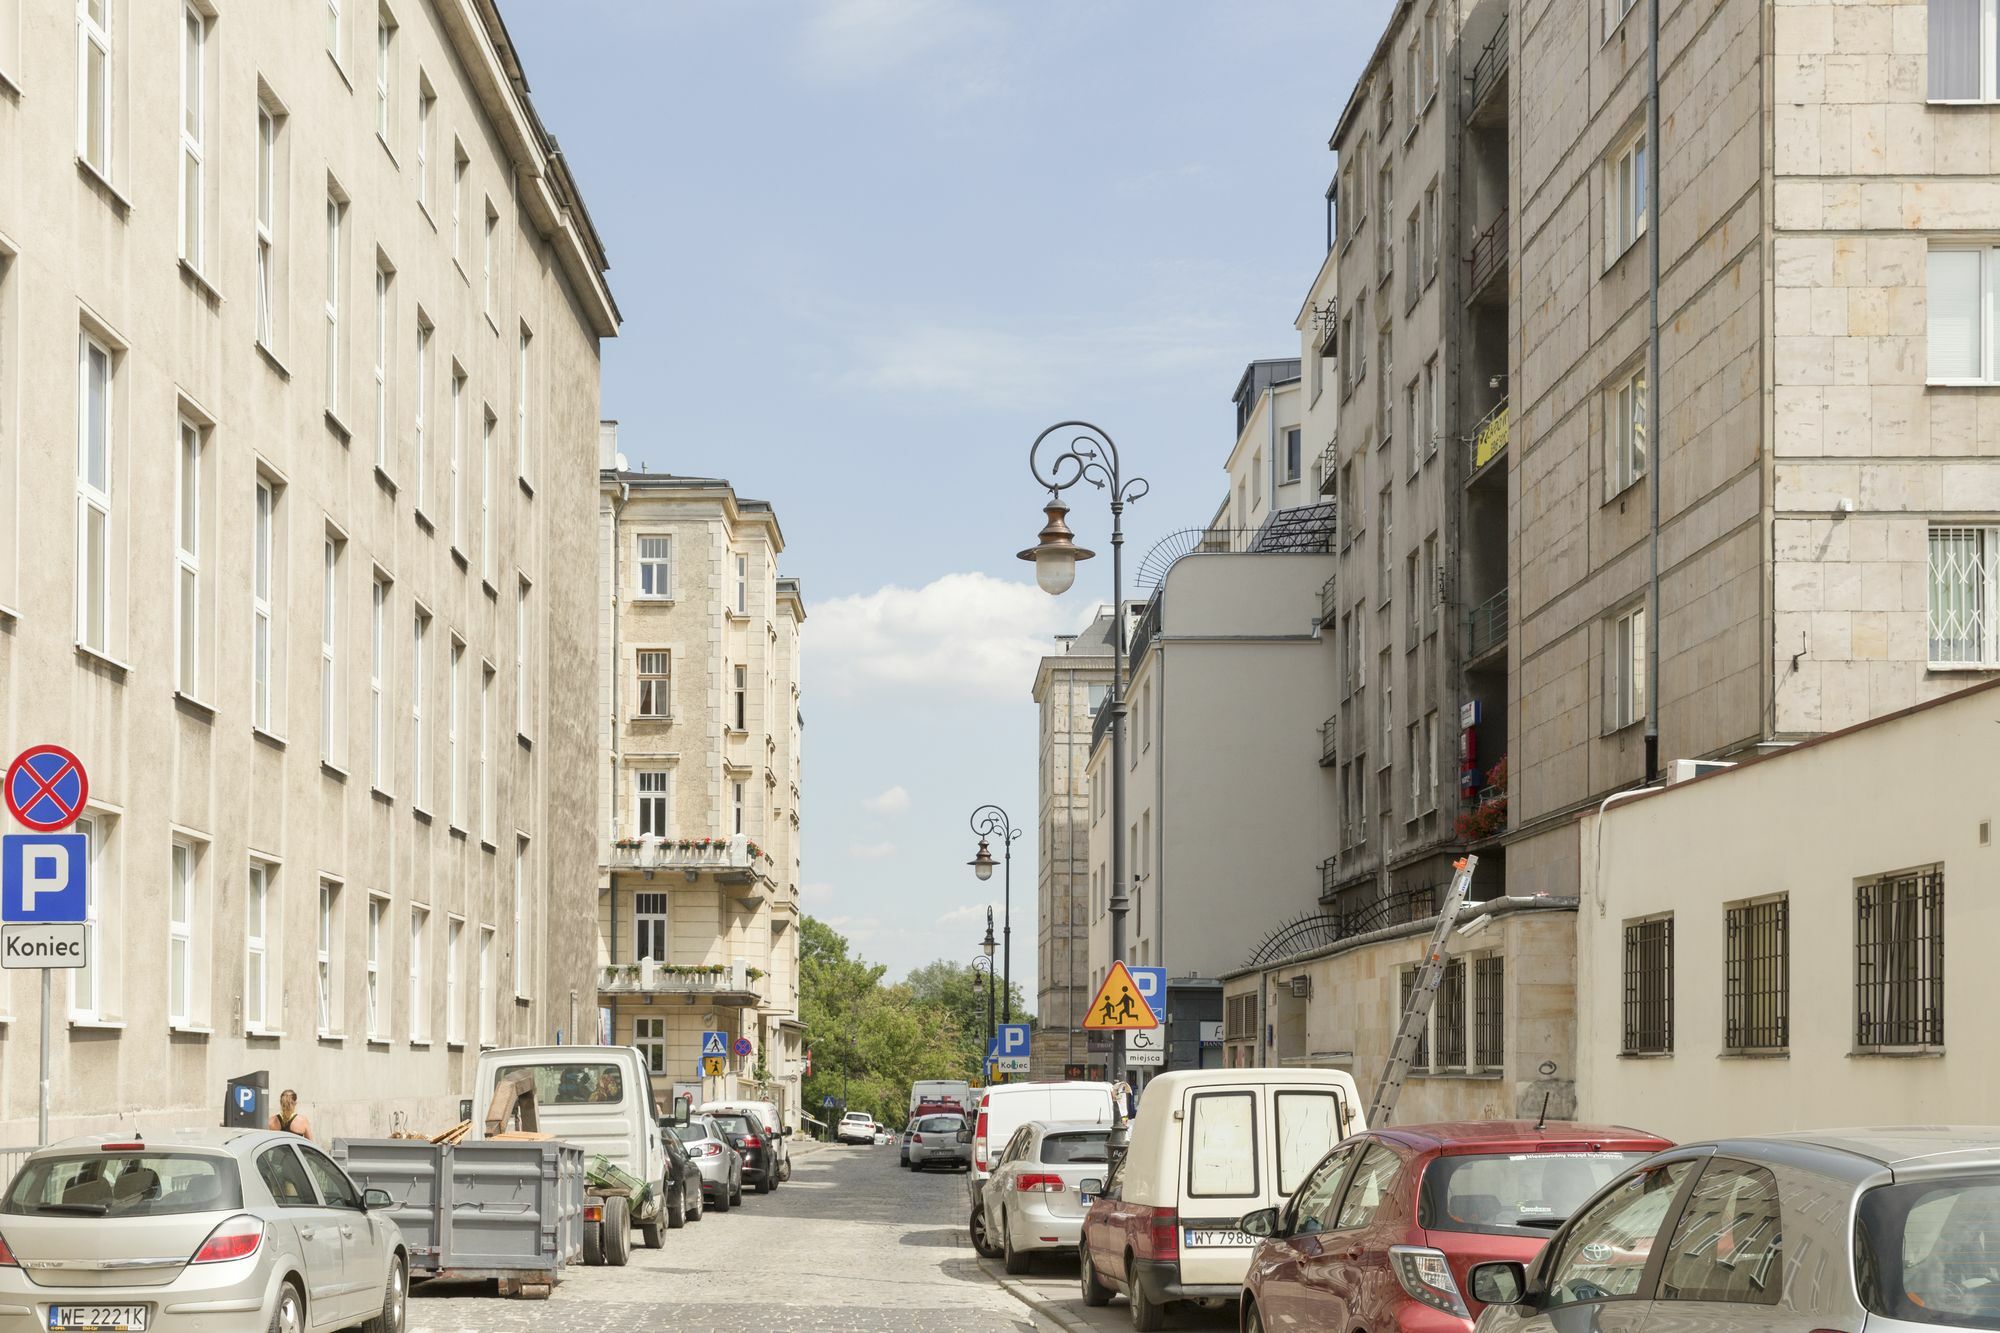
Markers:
(752, 1141)
(593, 1212)
(7, 1259)
(711, 1150)
(916, 1138)
(1046, 1184)
(1163, 1229)
(238, 1238)
(979, 1140)
(123, 1147)
(1426, 1275)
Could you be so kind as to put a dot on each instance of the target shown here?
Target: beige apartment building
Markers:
(698, 789)
(1070, 688)
(299, 325)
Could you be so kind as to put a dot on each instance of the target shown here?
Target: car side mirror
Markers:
(1499, 1283)
(1263, 1222)
(1090, 1185)
(965, 1133)
(375, 1200)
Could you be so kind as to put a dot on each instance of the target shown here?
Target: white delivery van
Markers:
(939, 1090)
(601, 1099)
(1002, 1110)
(1207, 1146)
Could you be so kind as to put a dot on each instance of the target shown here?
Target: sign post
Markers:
(45, 878)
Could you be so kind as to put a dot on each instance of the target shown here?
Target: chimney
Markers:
(607, 446)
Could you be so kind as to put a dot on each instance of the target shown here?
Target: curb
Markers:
(1043, 1310)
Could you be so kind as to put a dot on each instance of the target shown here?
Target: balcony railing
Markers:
(1488, 258)
(1489, 72)
(1329, 468)
(1490, 436)
(725, 983)
(1486, 627)
(731, 858)
(1329, 599)
(1329, 742)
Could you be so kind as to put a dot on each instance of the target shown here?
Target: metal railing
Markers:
(1329, 599)
(1329, 742)
(1486, 626)
(1490, 70)
(1491, 435)
(1329, 467)
(1488, 256)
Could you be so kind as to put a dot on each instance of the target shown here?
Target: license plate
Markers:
(1206, 1239)
(97, 1318)
(1084, 1198)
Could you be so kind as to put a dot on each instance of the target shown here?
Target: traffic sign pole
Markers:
(45, 788)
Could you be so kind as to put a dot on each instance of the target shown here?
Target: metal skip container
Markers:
(510, 1209)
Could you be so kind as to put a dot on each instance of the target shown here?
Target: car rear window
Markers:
(735, 1124)
(1080, 1146)
(121, 1184)
(691, 1133)
(941, 1124)
(1508, 1194)
(573, 1085)
(1928, 1251)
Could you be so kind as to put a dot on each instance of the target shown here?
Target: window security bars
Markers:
(1451, 1016)
(1649, 987)
(1757, 976)
(1899, 960)
(1489, 1016)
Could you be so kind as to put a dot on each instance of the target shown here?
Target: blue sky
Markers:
(866, 250)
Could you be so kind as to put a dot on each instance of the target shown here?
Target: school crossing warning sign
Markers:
(1119, 1005)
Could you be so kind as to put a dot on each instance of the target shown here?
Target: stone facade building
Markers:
(299, 327)
(698, 790)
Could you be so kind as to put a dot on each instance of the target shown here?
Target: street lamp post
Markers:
(990, 821)
(1087, 454)
(982, 979)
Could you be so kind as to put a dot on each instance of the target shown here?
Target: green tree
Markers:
(876, 1039)
(960, 991)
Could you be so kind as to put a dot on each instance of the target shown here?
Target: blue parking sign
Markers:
(44, 877)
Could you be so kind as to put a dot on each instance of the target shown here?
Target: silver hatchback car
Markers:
(937, 1140)
(196, 1233)
(1894, 1229)
(721, 1165)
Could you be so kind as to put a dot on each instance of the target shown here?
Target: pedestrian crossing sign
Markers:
(711, 1067)
(1119, 1005)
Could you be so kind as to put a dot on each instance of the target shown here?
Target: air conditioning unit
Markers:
(1686, 770)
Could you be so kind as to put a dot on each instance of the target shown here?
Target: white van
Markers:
(1002, 1110)
(926, 1090)
(601, 1099)
(1207, 1146)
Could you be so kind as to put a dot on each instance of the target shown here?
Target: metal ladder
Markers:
(1417, 1014)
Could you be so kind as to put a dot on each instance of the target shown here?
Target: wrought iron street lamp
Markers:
(990, 821)
(982, 978)
(1083, 452)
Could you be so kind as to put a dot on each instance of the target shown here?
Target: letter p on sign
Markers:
(44, 877)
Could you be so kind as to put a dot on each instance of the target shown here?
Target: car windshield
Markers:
(573, 1085)
(1084, 1146)
(126, 1184)
(1508, 1193)
(941, 1124)
(1928, 1251)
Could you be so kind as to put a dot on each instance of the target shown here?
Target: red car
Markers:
(1382, 1233)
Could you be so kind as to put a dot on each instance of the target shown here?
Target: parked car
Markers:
(720, 1162)
(217, 1229)
(684, 1193)
(1894, 1229)
(1207, 1146)
(1388, 1225)
(938, 1140)
(856, 1127)
(754, 1143)
(1042, 1186)
(772, 1128)
(1003, 1110)
(926, 1109)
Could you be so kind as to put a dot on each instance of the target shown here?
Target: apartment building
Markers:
(1070, 688)
(1267, 470)
(698, 789)
(1829, 451)
(299, 327)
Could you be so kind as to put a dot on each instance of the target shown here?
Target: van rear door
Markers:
(1224, 1173)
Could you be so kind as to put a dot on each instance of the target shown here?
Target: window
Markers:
(454, 773)
(486, 1014)
(1899, 961)
(333, 43)
(521, 925)
(426, 116)
(93, 495)
(655, 683)
(1431, 52)
(187, 563)
(377, 1011)
(1432, 406)
(1625, 669)
(521, 708)
(1413, 735)
(267, 221)
(459, 164)
(742, 584)
(483, 795)
(1386, 108)
(1430, 591)
(1413, 422)
(423, 388)
(1218, 1167)
(1614, 10)
(1962, 51)
(742, 696)
(1449, 1016)
(1294, 455)
(1649, 986)
(1963, 296)
(736, 805)
(328, 936)
(378, 676)
(1427, 794)
(93, 84)
(1312, 1206)
(420, 992)
(1596, 1259)
(420, 628)
(486, 499)
(1624, 433)
(94, 987)
(1433, 225)
(181, 912)
(1348, 372)
(1385, 203)
(650, 1036)
(1489, 1011)
(381, 368)
(336, 217)
(649, 926)
(1374, 1177)
(656, 566)
(456, 493)
(486, 260)
(1726, 1246)
(1308, 1123)
(1757, 980)
(1413, 83)
(259, 934)
(329, 648)
(385, 73)
(1413, 276)
(1961, 598)
(194, 130)
(1385, 514)
(1385, 393)
(1624, 195)
(521, 405)
(1257, 477)
(454, 1006)
(287, 1180)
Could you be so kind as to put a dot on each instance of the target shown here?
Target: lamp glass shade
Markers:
(983, 869)
(1055, 571)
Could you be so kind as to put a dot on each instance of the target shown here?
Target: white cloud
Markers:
(953, 41)
(871, 851)
(894, 801)
(964, 634)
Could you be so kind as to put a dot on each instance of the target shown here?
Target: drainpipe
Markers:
(1653, 481)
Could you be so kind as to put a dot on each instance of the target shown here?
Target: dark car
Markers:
(683, 1183)
(1383, 1233)
(757, 1144)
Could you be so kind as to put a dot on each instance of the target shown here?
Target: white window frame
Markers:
(454, 980)
(1625, 669)
(385, 52)
(420, 1008)
(420, 629)
(331, 555)
(660, 698)
(740, 700)
(183, 892)
(267, 224)
(521, 631)
(527, 474)
(1614, 14)
(93, 40)
(490, 423)
(522, 934)
(649, 1034)
(649, 924)
(454, 774)
(259, 956)
(484, 795)
(742, 584)
(457, 495)
(378, 678)
(335, 45)
(378, 1010)
(1627, 459)
(1430, 790)
(653, 802)
(1983, 314)
(384, 292)
(654, 573)
(327, 943)
(336, 227)
(737, 801)
(1624, 196)
(263, 581)
(1988, 47)
(486, 260)
(426, 121)
(460, 166)
(187, 558)
(93, 596)
(425, 333)
(1962, 630)
(194, 130)
(486, 1014)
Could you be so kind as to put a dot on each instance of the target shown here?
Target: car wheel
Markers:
(982, 1241)
(593, 1243)
(736, 1190)
(289, 1316)
(697, 1205)
(676, 1210)
(764, 1185)
(653, 1234)
(617, 1231)
(1095, 1293)
(1252, 1321)
(1015, 1261)
(393, 1295)
(721, 1204)
(1148, 1315)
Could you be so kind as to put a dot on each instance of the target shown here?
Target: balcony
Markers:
(1329, 468)
(1489, 438)
(734, 860)
(1329, 599)
(1487, 283)
(1489, 81)
(732, 984)
(1329, 742)
(1486, 628)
